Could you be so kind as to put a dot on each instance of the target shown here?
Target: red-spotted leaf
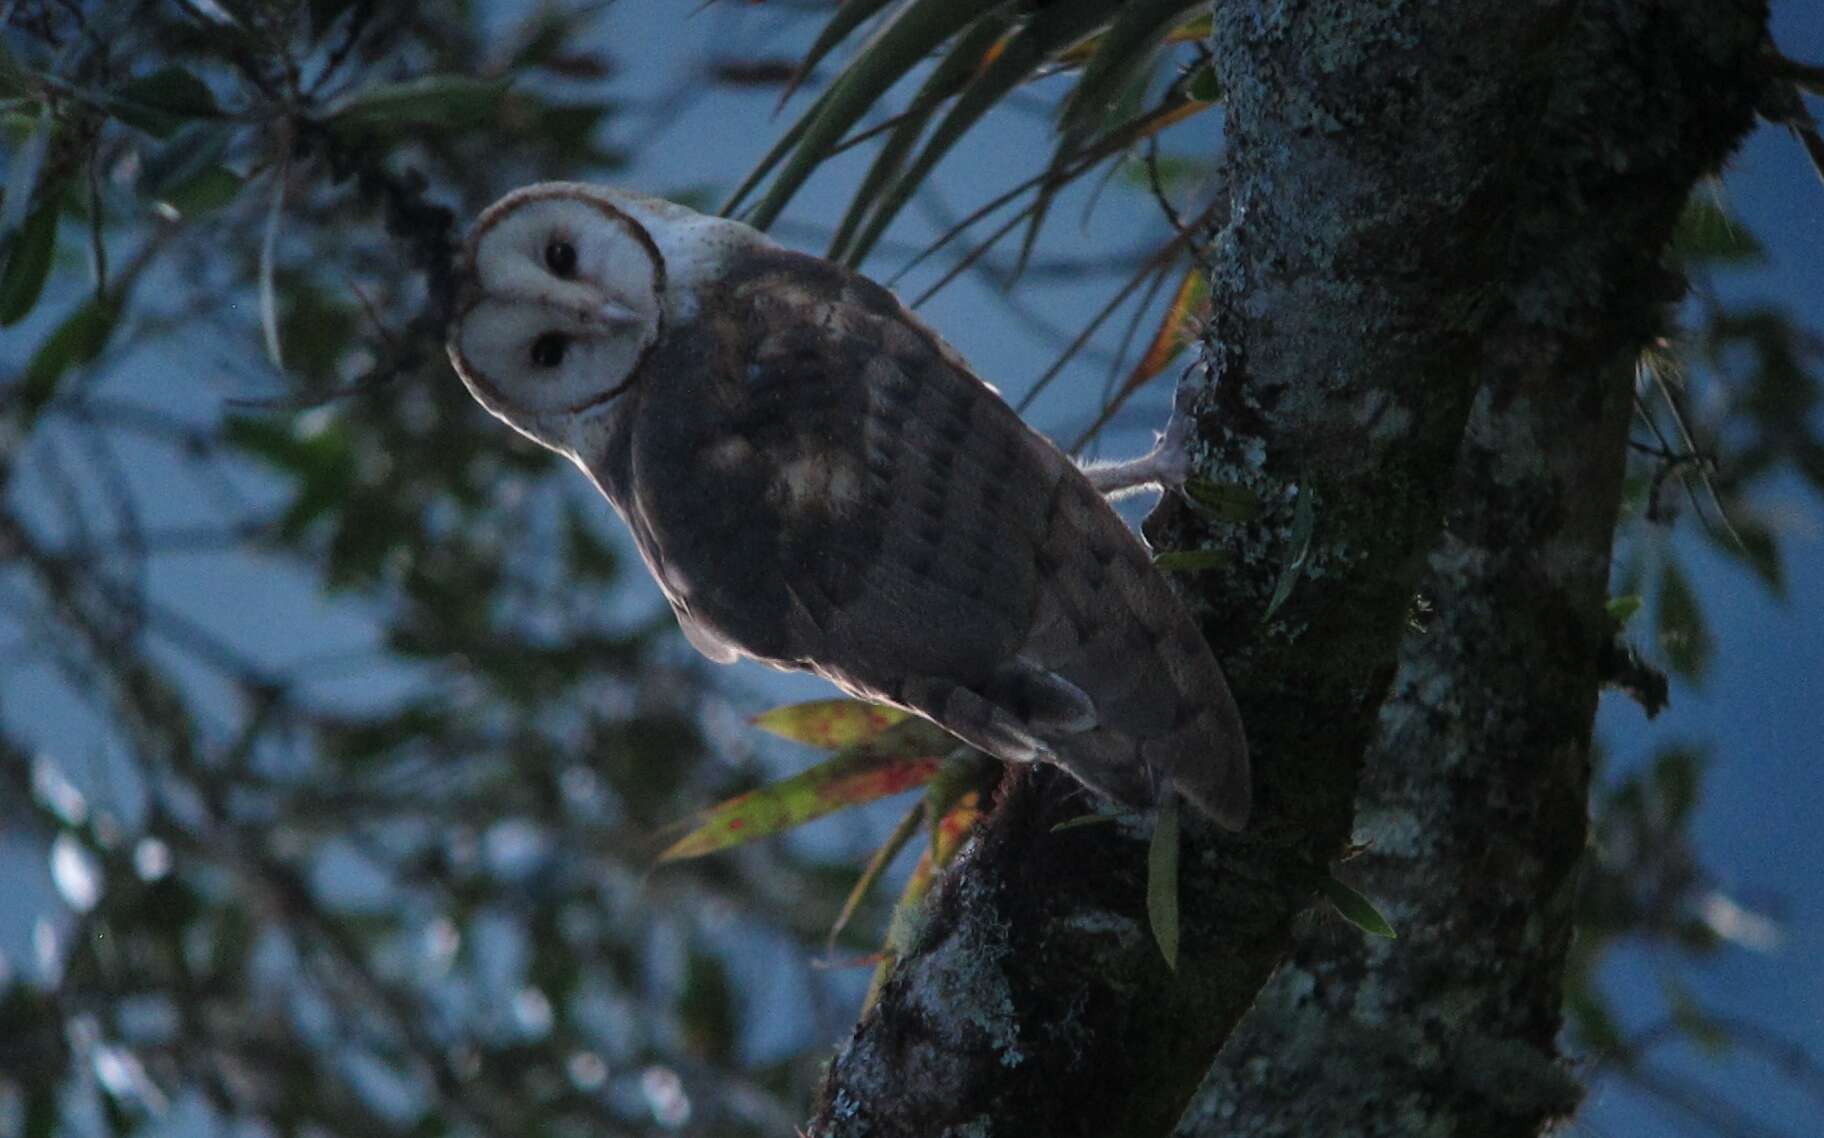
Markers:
(901, 758)
(829, 723)
(954, 828)
(1189, 309)
(950, 833)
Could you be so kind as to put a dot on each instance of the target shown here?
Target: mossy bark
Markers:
(1444, 251)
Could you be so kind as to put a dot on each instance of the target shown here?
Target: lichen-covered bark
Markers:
(1410, 184)
(1473, 801)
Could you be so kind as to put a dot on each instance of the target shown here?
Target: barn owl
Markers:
(817, 481)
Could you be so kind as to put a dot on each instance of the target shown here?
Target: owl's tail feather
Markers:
(1210, 768)
(1027, 713)
(1205, 756)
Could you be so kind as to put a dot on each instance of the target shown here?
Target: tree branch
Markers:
(1394, 171)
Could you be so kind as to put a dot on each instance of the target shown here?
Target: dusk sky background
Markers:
(1759, 712)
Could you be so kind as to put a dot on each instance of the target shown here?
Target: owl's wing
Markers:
(866, 508)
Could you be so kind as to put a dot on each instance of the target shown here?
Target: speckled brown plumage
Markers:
(818, 481)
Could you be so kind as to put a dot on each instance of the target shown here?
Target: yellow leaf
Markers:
(829, 723)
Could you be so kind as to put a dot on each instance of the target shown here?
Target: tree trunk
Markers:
(1435, 207)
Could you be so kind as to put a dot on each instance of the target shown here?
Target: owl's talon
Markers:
(1167, 465)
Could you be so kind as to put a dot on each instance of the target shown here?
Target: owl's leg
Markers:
(1166, 466)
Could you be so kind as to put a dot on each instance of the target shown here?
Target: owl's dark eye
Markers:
(560, 258)
(548, 350)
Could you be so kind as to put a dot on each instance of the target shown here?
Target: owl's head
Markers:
(562, 290)
(560, 293)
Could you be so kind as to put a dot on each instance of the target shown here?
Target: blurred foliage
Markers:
(410, 890)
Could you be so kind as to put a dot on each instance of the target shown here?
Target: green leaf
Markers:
(1121, 52)
(1694, 1022)
(1205, 86)
(79, 339)
(1055, 26)
(1162, 881)
(208, 190)
(1354, 908)
(900, 759)
(1677, 780)
(955, 69)
(15, 80)
(430, 100)
(1596, 1026)
(829, 723)
(1757, 546)
(1304, 525)
(1193, 560)
(22, 172)
(163, 101)
(842, 21)
(877, 865)
(321, 460)
(913, 32)
(1229, 501)
(181, 157)
(268, 270)
(41, 1113)
(1682, 632)
(1707, 235)
(324, 14)
(1083, 820)
(1622, 609)
(28, 263)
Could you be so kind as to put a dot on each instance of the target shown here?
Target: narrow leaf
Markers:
(1706, 234)
(1622, 609)
(1183, 318)
(185, 154)
(1355, 908)
(1083, 820)
(944, 81)
(161, 102)
(430, 100)
(1596, 1025)
(208, 190)
(912, 33)
(1162, 881)
(22, 172)
(841, 22)
(829, 723)
(269, 247)
(15, 81)
(28, 264)
(903, 757)
(1122, 51)
(1304, 524)
(954, 828)
(1193, 560)
(1757, 545)
(877, 865)
(1054, 27)
(79, 339)
(1682, 630)
(1229, 501)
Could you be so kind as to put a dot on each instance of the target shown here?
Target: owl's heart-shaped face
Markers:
(560, 296)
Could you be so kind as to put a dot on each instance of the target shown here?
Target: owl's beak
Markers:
(613, 312)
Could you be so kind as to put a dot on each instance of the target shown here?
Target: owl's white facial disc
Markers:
(561, 295)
